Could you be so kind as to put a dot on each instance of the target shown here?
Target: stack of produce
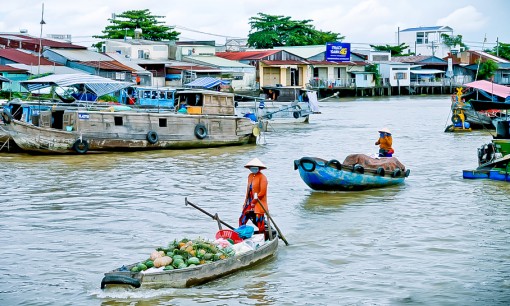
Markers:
(185, 253)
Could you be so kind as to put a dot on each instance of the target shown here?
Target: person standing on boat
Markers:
(385, 142)
(256, 191)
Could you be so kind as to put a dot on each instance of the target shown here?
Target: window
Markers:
(118, 120)
(238, 77)
(140, 53)
(162, 122)
(400, 76)
(315, 72)
(422, 38)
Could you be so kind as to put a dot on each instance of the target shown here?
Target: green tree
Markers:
(451, 41)
(268, 31)
(502, 50)
(486, 70)
(395, 50)
(124, 24)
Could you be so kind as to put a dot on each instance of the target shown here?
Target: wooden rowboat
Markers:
(190, 276)
(320, 174)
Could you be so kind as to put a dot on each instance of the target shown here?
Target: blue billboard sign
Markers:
(338, 52)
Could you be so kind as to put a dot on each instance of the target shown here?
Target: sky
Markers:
(362, 22)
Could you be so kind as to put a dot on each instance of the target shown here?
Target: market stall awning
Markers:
(491, 88)
(206, 82)
(96, 84)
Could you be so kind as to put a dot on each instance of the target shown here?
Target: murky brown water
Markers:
(436, 240)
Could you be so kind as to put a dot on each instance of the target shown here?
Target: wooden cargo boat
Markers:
(358, 172)
(209, 120)
(190, 276)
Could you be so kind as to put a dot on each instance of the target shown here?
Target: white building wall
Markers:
(431, 43)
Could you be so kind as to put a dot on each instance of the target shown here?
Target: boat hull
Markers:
(319, 174)
(142, 132)
(191, 276)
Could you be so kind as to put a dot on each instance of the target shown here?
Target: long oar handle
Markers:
(274, 223)
(210, 215)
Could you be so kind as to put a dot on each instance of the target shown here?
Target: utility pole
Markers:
(40, 42)
(497, 46)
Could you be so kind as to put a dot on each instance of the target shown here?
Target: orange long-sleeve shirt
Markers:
(258, 184)
(385, 143)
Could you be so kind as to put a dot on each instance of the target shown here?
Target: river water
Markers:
(436, 240)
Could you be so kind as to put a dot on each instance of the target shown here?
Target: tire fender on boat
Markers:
(296, 164)
(120, 280)
(308, 164)
(358, 168)
(297, 113)
(7, 116)
(380, 171)
(200, 131)
(335, 164)
(81, 146)
(152, 137)
(396, 173)
(456, 118)
(407, 173)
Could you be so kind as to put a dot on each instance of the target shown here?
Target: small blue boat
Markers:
(366, 173)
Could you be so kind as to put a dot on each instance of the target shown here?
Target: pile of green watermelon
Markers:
(184, 253)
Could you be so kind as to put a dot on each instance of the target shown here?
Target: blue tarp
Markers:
(206, 82)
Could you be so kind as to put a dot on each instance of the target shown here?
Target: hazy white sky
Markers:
(363, 21)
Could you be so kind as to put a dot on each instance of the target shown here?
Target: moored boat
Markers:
(493, 157)
(208, 120)
(279, 105)
(357, 172)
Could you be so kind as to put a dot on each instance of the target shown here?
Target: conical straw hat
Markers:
(255, 163)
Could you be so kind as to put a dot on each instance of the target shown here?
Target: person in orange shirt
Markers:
(385, 142)
(255, 191)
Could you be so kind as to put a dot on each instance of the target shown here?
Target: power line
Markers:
(206, 33)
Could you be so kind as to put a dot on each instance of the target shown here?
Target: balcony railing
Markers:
(332, 83)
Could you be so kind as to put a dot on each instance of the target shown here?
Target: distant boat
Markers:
(481, 91)
(279, 105)
(357, 172)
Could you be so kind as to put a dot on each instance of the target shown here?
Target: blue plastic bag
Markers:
(245, 231)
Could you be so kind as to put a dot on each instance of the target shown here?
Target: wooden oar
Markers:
(274, 223)
(214, 217)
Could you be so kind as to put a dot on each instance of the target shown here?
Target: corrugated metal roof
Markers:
(9, 68)
(246, 55)
(335, 63)
(425, 59)
(433, 28)
(4, 79)
(125, 61)
(427, 71)
(46, 69)
(206, 82)
(304, 51)
(287, 62)
(490, 56)
(111, 65)
(98, 85)
(216, 61)
(23, 57)
(81, 55)
(35, 40)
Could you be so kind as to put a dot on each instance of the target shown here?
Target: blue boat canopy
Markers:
(96, 84)
(206, 82)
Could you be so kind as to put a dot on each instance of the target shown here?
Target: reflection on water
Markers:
(435, 240)
(324, 200)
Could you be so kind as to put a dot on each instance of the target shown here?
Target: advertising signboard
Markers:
(338, 52)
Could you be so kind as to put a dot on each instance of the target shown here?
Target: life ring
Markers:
(380, 171)
(7, 116)
(120, 280)
(200, 131)
(358, 168)
(152, 137)
(81, 146)
(396, 173)
(335, 164)
(308, 164)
